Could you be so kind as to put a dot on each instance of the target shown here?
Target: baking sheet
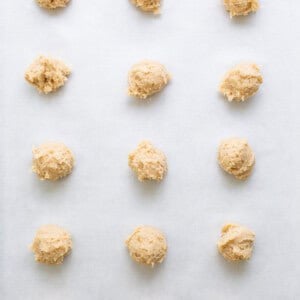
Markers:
(102, 202)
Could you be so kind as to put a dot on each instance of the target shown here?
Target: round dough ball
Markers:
(236, 157)
(47, 74)
(147, 245)
(236, 242)
(147, 78)
(152, 6)
(148, 162)
(52, 161)
(51, 244)
(52, 4)
(241, 7)
(241, 82)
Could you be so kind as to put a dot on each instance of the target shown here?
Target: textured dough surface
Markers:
(147, 245)
(241, 7)
(147, 78)
(152, 6)
(52, 4)
(52, 161)
(241, 82)
(51, 244)
(236, 242)
(148, 162)
(47, 74)
(236, 157)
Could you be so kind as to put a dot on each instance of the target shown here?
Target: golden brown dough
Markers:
(147, 245)
(236, 242)
(52, 161)
(51, 244)
(236, 157)
(241, 82)
(147, 78)
(52, 4)
(148, 162)
(152, 6)
(47, 74)
(241, 7)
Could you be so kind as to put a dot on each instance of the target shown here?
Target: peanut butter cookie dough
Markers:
(52, 4)
(147, 245)
(47, 74)
(148, 162)
(241, 7)
(236, 242)
(52, 161)
(152, 6)
(241, 82)
(147, 78)
(51, 244)
(236, 157)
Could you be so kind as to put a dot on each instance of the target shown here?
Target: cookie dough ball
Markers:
(52, 161)
(147, 78)
(241, 82)
(236, 242)
(148, 162)
(47, 74)
(236, 157)
(147, 245)
(152, 6)
(52, 4)
(51, 244)
(241, 7)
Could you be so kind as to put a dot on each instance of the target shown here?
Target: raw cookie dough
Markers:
(147, 245)
(51, 244)
(147, 78)
(148, 162)
(152, 6)
(236, 242)
(241, 7)
(47, 74)
(52, 4)
(241, 82)
(236, 157)
(52, 161)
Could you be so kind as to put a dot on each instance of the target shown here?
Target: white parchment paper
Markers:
(102, 202)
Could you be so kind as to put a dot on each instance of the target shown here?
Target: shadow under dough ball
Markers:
(52, 161)
(236, 242)
(52, 4)
(147, 245)
(47, 74)
(51, 244)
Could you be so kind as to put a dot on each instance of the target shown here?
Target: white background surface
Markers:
(102, 202)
